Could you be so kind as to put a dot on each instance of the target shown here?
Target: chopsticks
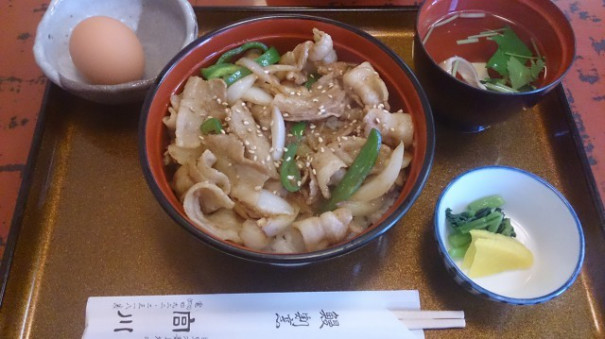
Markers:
(424, 320)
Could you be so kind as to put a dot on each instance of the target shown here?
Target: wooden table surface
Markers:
(22, 86)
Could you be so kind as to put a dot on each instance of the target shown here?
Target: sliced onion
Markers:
(238, 88)
(280, 68)
(257, 69)
(257, 96)
(270, 204)
(381, 183)
(361, 208)
(278, 134)
(463, 67)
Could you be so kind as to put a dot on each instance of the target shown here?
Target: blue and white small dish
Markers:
(544, 222)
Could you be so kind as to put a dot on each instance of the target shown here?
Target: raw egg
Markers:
(106, 51)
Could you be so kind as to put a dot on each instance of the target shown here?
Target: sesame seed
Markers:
(243, 104)
(392, 129)
(315, 100)
(320, 139)
(314, 171)
(246, 122)
(249, 130)
(257, 188)
(290, 177)
(255, 158)
(377, 120)
(321, 149)
(299, 182)
(251, 151)
(320, 87)
(246, 142)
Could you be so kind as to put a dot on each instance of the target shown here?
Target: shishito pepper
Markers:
(359, 170)
(232, 73)
(289, 172)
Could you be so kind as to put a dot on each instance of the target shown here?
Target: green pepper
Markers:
(211, 126)
(219, 71)
(241, 49)
(359, 170)
(235, 76)
(270, 57)
(289, 172)
(298, 129)
(311, 80)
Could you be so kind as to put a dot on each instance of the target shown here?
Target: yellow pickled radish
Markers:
(490, 253)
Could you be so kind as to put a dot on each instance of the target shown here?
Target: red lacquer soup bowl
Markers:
(285, 32)
(440, 31)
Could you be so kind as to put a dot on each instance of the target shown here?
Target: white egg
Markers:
(106, 51)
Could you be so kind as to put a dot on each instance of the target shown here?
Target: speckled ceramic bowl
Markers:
(471, 109)
(544, 222)
(285, 32)
(164, 27)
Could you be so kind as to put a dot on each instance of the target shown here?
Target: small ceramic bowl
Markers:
(544, 222)
(285, 32)
(163, 27)
(469, 108)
